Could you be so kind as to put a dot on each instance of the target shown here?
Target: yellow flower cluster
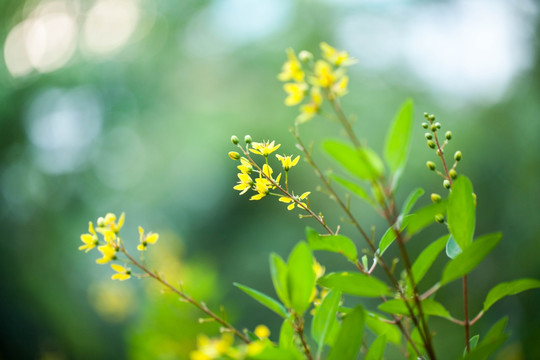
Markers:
(327, 74)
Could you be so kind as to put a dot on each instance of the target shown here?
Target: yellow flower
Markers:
(262, 332)
(287, 161)
(295, 93)
(292, 69)
(209, 349)
(292, 203)
(245, 166)
(308, 111)
(336, 57)
(108, 227)
(254, 348)
(318, 269)
(340, 87)
(90, 240)
(144, 240)
(324, 75)
(109, 253)
(264, 148)
(122, 273)
(262, 187)
(244, 184)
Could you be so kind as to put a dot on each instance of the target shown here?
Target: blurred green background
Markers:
(128, 105)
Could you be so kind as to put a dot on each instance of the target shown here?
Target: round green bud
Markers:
(425, 125)
(439, 218)
(234, 140)
(247, 139)
(436, 198)
(430, 165)
(438, 125)
(457, 155)
(431, 144)
(234, 155)
(446, 184)
(431, 117)
(448, 135)
(434, 128)
(452, 173)
(428, 136)
(426, 115)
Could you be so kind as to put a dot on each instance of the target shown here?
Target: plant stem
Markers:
(344, 121)
(299, 328)
(466, 313)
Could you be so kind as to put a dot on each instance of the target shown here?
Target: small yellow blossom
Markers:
(287, 161)
(109, 228)
(292, 203)
(244, 184)
(245, 166)
(109, 253)
(308, 111)
(209, 349)
(262, 187)
(264, 148)
(324, 77)
(122, 273)
(318, 269)
(256, 347)
(90, 240)
(144, 240)
(262, 332)
(336, 57)
(292, 69)
(340, 87)
(234, 155)
(295, 93)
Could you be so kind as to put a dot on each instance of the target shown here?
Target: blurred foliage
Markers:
(145, 127)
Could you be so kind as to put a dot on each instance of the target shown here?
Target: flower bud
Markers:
(431, 117)
(100, 222)
(430, 165)
(305, 56)
(234, 140)
(425, 125)
(448, 135)
(431, 144)
(457, 155)
(436, 198)
(428, 136)
(234, 155)
(247, 139)
(446, 184)
(426, 115)
(434, 127)
(439, 218)
(452, 173)
(438, 125)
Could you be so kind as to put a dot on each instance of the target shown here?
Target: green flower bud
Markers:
(247, 139)
(457, 155)
(452, 173)
(425, 125)
(436, 198)
(234, 155)
(434, 128)
(431, 144)
(426, 115)
(305, 56)
(439, 218)
(446, 184)
(428, 136)
(430, 165)
(438, 125)
(234, 140)
(431, 117)
(448, 135)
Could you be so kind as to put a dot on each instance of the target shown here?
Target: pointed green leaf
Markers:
(493, 340)
(279, 272)
(334, 243)
(470, 257)
(301, 277)
(271, 352)
(429, 307)
(427, 258)
(473, 343)
(495, 331)
(411, 200)
(394, 306)
(325, 318)
(355, 284)
(379, 327)
(398, 138)
(426, 216)
(349, 339)
(376, 350)
(287, 339)
(452, 248)
(390, 235)
(461, 212)
(353, 188)
(363, 163)
(509, 288)
(264, 299)
(434, 308)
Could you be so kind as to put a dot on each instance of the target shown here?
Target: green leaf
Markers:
(461, 212)
(390, 235)
(473, 343)
(301, 277)
(379, 327)
(398, 138)
(272, 353)
(287, 339)
(470, 257)
(394, 306)
(434, 308)
(376, 350)
(355, 284)
(509, 288)
(363, 163)
(334, 243)
(495, 331)
(452, 248)
(493, 340)
(353, 187)
(264, 299)
(429, 307)
(426, 216)
(349, 339)
(278, 270)
(411, 200)
(427, 258)
(325, 318)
